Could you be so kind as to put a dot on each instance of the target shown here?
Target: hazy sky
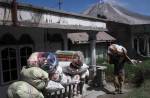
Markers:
(140, 6)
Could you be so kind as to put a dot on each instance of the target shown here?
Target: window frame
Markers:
(1, 70)
(18, 61)
(20, 47)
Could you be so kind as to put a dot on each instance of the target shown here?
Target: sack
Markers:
(70, 79)
(53, 86)
(72, 71)
(65, 79)
(64, 63)
(116, 49)
(36, 59)
(56, 75)
(51, 62)
(69, 55)
(35, 76)
(22, 89)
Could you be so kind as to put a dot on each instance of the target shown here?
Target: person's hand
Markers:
(134, 62)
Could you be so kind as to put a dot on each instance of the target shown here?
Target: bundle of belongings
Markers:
(44, 73)
(73, 65)
(119, 51)
(74, 68)
(35, 77)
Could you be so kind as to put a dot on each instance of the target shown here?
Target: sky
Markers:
(78, 6)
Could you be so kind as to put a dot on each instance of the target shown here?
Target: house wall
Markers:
(141, 39)
(35, 33)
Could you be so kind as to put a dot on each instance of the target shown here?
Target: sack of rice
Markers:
(35, 76)
(22, 89)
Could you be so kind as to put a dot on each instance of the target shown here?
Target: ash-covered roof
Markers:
(116, 13)
(83, 37)
(32, 16)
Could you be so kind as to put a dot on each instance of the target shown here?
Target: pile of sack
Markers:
(73, 66)
(44, 72)
(35, 77)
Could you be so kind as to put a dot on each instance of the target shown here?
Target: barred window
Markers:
(9, 64)
(24, 55)
(14, 54)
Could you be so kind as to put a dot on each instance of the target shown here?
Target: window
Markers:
(135, 45)
(11, 59)
(25, 48)
(9, 64)
(14, 55)
(142, 45)
(24, 55)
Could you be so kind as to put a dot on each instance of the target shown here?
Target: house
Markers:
(26, 28)
(130, 29)
(80, 41)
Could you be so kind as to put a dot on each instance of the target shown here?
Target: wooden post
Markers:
(65, 41)
(14, 12)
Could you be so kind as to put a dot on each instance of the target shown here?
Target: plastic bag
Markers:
(35, 76)
(53, 86)
(22, 89)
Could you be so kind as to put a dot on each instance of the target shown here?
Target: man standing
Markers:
(118, 56)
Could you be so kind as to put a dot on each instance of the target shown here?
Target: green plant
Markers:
(141, 92)
(100, 61)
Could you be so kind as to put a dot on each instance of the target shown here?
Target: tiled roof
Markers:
(116, 13)
(83, 37)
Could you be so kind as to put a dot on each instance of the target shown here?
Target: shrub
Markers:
(142, 92)
(134, 74)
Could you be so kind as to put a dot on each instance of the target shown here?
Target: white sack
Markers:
(53, 86)
(35, 76)
(22, 89)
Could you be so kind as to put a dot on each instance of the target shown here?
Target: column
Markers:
(65, 41)
(92, 40)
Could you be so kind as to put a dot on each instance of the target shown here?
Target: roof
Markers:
(116, 13)
(32, 16)
(83, 37)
